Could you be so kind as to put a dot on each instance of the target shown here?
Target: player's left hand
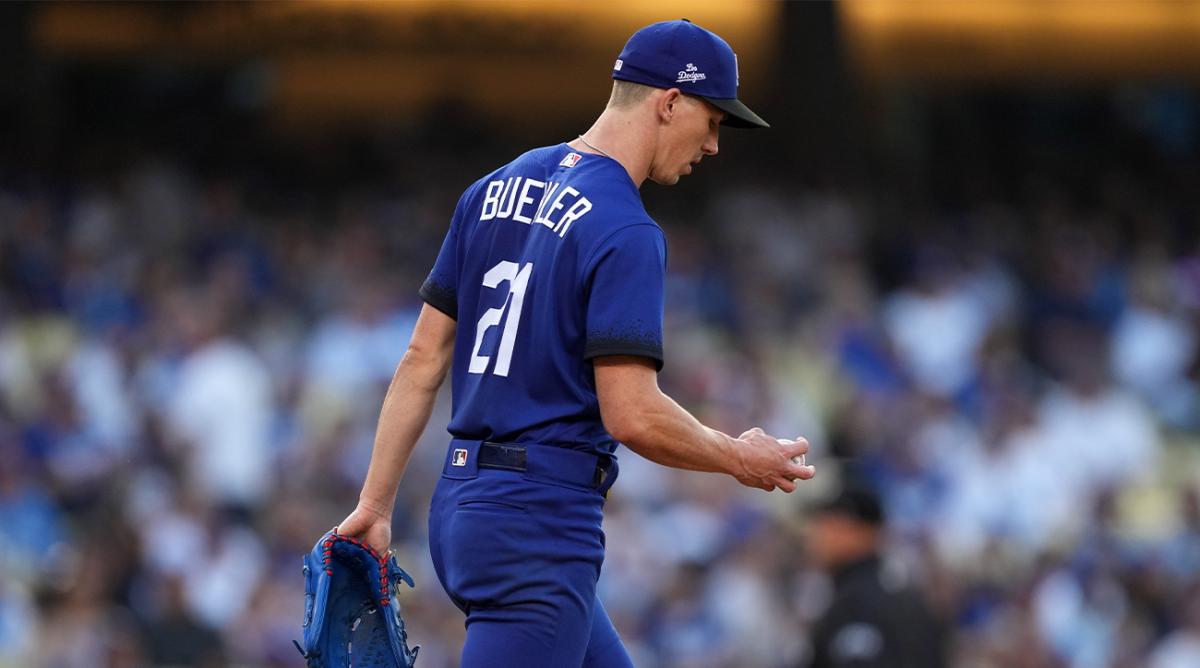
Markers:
(369, 526)
(770, 463)
(350, 606)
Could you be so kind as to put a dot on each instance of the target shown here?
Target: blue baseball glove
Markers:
(351, 615)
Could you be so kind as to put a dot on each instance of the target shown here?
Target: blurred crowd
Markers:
(190, 377)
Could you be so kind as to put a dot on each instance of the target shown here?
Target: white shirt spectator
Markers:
(937, 336)
(1102, 440)
(1010, 494)
(222, 583)
(1079, 621)
(1181, 649)
(222, 409)
(107, 407)
(1151, 351)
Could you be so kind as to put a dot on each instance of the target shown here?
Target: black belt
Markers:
(514, 457)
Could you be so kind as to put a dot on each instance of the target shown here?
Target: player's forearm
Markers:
(405, 413)
(662, 431)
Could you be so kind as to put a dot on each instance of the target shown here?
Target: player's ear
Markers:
(668, 104)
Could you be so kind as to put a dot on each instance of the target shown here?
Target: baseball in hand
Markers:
(795, 460)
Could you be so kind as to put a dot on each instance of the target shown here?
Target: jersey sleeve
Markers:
(625, 294)
(440, 289)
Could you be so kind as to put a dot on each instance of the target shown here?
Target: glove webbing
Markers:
(327, 555)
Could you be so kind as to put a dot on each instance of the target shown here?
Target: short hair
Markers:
(628, 93)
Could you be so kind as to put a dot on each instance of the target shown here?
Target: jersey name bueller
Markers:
(535, 305)
(500, 200)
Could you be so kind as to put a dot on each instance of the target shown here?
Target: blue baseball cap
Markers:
(680, 54)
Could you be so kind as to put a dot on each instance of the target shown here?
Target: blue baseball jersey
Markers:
(550, 261)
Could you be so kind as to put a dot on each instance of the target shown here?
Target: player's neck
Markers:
(622, 138)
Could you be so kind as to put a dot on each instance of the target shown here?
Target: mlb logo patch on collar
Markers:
(459, 458)
(570, 160)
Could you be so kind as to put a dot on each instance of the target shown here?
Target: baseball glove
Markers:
(351, 615)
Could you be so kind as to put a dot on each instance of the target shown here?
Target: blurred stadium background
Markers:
(965, 260)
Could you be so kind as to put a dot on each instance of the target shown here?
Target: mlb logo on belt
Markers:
(571, 160)
(460, 457)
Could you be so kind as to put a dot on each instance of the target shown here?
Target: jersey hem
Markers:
(637, 351)
(439, 301)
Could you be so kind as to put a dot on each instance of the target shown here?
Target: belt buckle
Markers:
(598, 478)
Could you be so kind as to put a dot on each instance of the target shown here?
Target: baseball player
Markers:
(546, 306)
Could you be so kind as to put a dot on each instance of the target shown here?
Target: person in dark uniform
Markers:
(874, 619)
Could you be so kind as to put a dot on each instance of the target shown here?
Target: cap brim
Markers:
(737, 115)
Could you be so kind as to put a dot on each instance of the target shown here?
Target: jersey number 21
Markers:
(518, 279)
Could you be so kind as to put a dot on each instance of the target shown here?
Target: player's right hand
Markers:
(765, 462)
(369, 526)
